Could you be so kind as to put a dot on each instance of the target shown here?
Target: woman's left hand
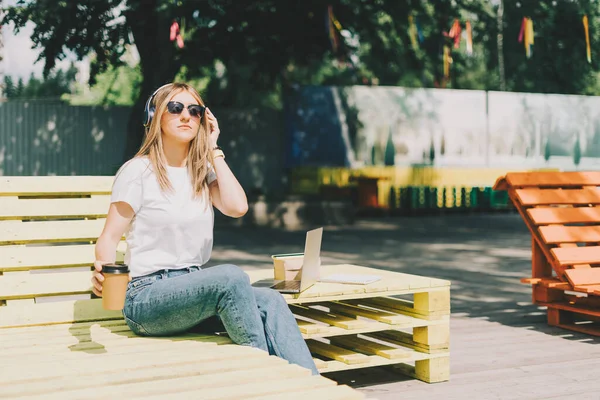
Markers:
(214, 128)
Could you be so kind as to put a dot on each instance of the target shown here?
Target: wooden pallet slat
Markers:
(391, 283)
(547, 282)
(336, 353)
(570, 316)
(58, 312)
(84, 354)
(15, 232)
(553, 179)
(111, 342)
(18, 209)
(402, 306)
(55, 185)
(26, 258)
(106, 341)
(377, 315)
(28, 340)
(57, 329)
(570, 234)
(157, 371)
(178, 353)
(415, 340)
(439, 372)
(46, 284)
(310, 328)
(352, 342)
(329, 318)
(373, 326)
(531, 197)
(588, 276)
(564, 215)
(208, 384)
(577, 255)
(278, 383)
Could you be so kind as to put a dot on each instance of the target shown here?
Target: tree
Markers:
(53, 86)
(101, 28)
(20, 88)
(242, 35)
(9, 86)
(249, 48)
(117, 86)
(577, 151)
(558, 62)
(247, 51)
(33, 88)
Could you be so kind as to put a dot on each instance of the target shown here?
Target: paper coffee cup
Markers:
(114, 288)
(287, 267)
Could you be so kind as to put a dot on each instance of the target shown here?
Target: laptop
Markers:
(310, 272)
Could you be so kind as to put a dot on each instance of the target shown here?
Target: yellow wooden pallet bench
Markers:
(562, 212)
(57, 341)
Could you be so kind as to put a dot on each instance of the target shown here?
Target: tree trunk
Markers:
(159, 61)
(443, 19)
(500, 22)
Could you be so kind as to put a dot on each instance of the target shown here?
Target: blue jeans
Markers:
(169, 302)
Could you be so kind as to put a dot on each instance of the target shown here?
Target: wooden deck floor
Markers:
(501, 346)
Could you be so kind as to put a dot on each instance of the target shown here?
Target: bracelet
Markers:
(218, 153)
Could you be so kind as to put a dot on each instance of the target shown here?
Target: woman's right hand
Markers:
(97, 277)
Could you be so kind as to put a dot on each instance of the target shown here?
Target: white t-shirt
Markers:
(170, 230)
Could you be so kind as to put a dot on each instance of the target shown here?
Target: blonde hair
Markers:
(199, 154)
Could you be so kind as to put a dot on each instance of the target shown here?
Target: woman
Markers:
(161, 201)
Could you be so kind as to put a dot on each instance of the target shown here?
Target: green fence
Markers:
(428, 199)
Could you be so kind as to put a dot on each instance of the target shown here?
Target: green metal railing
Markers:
(426, 198)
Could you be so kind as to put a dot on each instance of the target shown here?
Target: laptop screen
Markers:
(311, 268)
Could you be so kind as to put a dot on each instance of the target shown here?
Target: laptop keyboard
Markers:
(287, 285)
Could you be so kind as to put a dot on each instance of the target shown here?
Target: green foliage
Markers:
(247, 53)
(577, 151)
(116, 86)
(80, 26)
(547, 150)
(558, 63)
(10, 90)
(55, 85)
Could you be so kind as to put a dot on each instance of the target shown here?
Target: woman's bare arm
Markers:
(118, 219)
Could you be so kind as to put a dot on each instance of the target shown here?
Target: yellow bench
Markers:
(58, 342)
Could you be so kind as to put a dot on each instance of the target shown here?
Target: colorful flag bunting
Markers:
(333, 26)
(175, 34)
(447, 61)
(469, 38)
(454, 33)
(413, 32)
(588, 50)
(526, 35)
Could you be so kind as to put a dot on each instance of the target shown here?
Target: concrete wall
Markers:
(358, 126)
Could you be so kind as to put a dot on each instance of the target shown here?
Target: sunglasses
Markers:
(195, 110)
